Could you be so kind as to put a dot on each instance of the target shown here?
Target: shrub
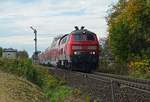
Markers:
(39, 75)
(113, 67)
(58, 94)
(140, 68)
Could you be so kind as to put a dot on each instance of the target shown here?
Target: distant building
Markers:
(9, 53)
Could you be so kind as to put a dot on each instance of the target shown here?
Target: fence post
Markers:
(112, 91)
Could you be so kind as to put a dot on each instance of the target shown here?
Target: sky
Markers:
(50, 18)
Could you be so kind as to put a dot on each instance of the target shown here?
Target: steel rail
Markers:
(122, 80)
(143, 81)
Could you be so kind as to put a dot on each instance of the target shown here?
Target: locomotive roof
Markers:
(82, 31)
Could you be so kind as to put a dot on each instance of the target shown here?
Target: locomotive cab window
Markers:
(78, 37)
(90, 37)
(84, 37)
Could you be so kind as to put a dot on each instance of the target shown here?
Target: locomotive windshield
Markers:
(84, 37)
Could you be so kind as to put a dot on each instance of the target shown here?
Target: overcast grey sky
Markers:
(50, 18)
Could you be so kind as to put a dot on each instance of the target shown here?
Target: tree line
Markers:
(129, 33)
(129, 29)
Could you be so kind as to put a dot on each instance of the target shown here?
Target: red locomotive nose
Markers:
(83, 43)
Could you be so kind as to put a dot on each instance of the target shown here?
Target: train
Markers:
(78, 50)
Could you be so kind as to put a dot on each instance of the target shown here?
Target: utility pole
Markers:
(35, 55)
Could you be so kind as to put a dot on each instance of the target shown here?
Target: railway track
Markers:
(108, 87)
(143, 85)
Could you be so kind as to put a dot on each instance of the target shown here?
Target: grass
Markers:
(53, 88)
(59, 93)
(15, 89)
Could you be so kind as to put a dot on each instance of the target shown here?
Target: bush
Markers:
(58, 94)
(113, 67)
(38, 75)
(140, 68)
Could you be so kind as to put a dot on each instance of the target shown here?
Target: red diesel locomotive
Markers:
(78, 50)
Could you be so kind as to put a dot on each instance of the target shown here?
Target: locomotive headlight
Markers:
(92, 47)
(93, 53)
(76, 47)
(76, 52)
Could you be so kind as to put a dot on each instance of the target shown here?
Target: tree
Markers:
(129, 29)
(23, 54)
(1, 51)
